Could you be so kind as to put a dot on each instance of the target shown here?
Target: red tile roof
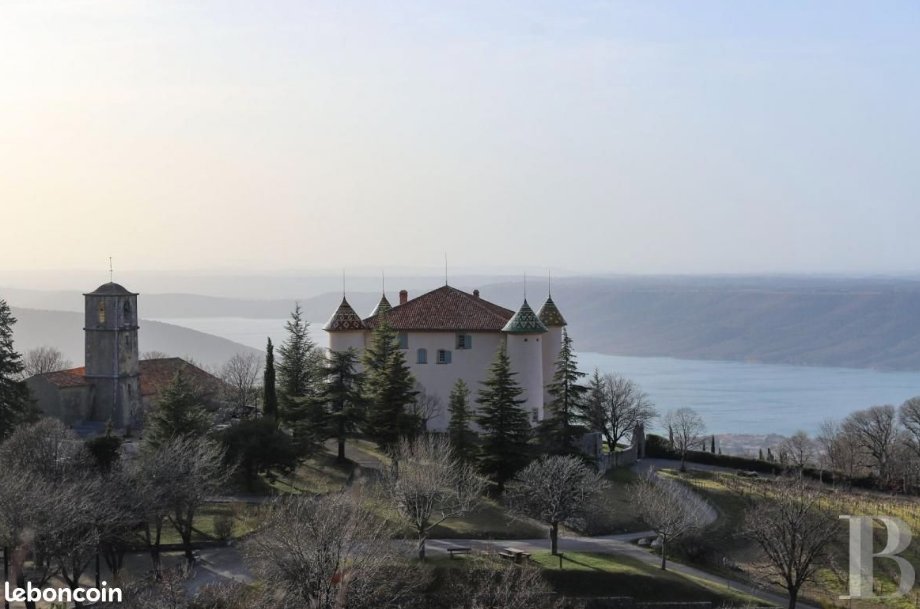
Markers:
(446, 309)
(67, 378)
(155, 374)
(158, 373)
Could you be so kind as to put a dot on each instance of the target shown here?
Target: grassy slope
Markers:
(831, 582)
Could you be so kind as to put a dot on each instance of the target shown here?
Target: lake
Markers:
(732, 397)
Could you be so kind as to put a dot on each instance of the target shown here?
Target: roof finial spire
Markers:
(343, 282)
(383, 281)
(111, 272)
(445, 268)
(525, 286)
(549, 282)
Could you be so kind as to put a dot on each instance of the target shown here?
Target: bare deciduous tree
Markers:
(799, 450)
(909, 416)
(241, 373)
(327, 552)
(427, 484)
(427, 406)
(614, 406)
(686, 429)
(792, 529)
(492, 584)
(555, 490)
(43, 360)
(875, 430)
(672, 509)
(154, 355)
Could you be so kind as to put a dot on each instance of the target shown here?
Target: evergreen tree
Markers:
(760, 454)
(389, 389)
(342, 397)
(179, 412)
(559, 429)
(15, 404)
(270, 392)
(461, 435)
(298, 372)
(712, 445)
(505, 425)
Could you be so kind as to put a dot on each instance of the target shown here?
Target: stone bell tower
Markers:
(112, 354)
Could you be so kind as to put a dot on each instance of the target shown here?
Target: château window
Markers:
(422, 356)
(403, 340)
(101, 312)
(464, 341)
(536, 415)
(443, 356)
(127, 313)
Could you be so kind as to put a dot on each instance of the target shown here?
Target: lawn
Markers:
(615, 510)
(245, 519)
(587, 574)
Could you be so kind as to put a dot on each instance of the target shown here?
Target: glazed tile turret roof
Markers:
(382, 307)
(446, 309)
(344, 319)
(550, 315)
(525, 321)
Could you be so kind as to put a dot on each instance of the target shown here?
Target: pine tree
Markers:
(15, 405)
(389, 389)
(270, 392)
(298, 372)
(559, 430)
(504, 423)
(712, 446)
(461, 435)
(179, 412)
(342, 397)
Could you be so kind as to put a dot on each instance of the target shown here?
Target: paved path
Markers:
(619, 545)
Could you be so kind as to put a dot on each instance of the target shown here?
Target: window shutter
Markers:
(469, 341)
(448, 356)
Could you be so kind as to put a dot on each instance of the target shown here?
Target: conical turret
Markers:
(344, 319)
(382, 307)
(525, 321)
(550, 314)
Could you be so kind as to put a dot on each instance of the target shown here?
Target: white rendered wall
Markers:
(526, 354)
(342, 341)
(471, 365)
(552, 344)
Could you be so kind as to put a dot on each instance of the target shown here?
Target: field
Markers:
(727, 552)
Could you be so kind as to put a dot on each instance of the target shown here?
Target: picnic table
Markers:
(515, 555)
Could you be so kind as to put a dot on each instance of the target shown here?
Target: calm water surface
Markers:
(733, 397)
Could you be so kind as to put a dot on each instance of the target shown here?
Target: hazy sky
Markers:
(634, 136)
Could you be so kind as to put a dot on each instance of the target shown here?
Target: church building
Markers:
(448, 334)
(114, 386)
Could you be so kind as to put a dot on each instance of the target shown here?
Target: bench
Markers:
(458, 550)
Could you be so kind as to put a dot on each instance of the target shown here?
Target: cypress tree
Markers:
(389, 388)
(342, 397)
(15, 405)
(179, 412)
(712, 446)
(270, 392)
(505, 425)
(559, 430)
(462, 437)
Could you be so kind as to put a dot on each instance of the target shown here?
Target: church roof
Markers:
(111, 289)
(525, 321)
(154, 375)
(344, 319)
(446, 309)
(550, 315)
(382, 307)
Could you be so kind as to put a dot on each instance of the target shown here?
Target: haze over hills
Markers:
(64, 330)
(863, 323)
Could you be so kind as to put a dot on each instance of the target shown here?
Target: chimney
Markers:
(476, 293)
(403, 297)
